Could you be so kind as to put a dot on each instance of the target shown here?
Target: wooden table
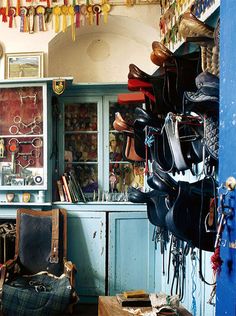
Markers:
(109, 306)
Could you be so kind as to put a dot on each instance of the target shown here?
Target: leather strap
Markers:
(2, 279)
(171, 127)
(55, 237)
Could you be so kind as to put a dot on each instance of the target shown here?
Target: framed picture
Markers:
(23, 65)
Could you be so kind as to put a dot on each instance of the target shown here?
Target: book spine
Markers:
(78, 187)
(72, 191)
(65, 194)
(60, 191)
(66, 188)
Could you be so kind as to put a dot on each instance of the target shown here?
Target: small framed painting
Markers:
(23, 65)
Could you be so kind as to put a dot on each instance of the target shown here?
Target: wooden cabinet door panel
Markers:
(131, 252)
(87, 249)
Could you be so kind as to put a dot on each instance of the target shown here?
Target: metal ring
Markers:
(35, 153)
(35, 141)
(38, 179)
(17, 119)
(12, 132)
(34, 129)
(15, 140)
(37, 119)
(30, 162)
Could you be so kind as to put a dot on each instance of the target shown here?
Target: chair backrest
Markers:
(41, 240)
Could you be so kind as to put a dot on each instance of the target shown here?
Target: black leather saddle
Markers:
(188, 216)
(156, 205)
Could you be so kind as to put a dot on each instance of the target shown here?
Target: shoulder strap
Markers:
(55, 237)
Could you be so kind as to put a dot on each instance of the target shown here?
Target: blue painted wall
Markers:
(226, 284)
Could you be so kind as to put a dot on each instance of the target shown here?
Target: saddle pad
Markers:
(39, 295)
(212, 135)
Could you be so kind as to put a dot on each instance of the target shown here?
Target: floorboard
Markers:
(86, 310)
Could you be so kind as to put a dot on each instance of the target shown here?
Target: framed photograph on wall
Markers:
(23, 65)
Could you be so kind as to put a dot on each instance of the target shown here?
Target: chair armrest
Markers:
(69, 271)
(10, 263)
(6, 269)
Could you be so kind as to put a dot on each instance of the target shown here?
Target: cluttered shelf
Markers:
(169, 20)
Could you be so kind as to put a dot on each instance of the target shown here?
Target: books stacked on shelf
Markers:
(69, 189)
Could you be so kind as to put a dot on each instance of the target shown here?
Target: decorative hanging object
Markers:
(57, 13)
(172, 10)
(11, 14)
(97, 11)
(83, 12)
(24, 19)
(31, 19)
(106, 7)
(18, 7)
(90, 14)
(64, 11)
(77, 15)
(40, 11)
(71, 12)
(58, 86)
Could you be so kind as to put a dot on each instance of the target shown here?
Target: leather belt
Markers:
(55, 237)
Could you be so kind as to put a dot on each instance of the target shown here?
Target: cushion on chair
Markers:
(35, 244)
(38, 295)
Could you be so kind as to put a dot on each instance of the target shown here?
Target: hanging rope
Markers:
(194, 286)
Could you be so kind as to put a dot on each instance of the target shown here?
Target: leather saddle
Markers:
(128, 151)
(185, 140)
(188, 216)
(156, 205)
(205, 102)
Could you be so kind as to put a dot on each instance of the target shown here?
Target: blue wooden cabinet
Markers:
(131, 252)
(25, 142)
(110, 242)
(110, 248)
(87, 249)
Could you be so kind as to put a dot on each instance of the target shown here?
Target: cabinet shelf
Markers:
(24, 204)
(119, 161)
(81, 162)
(81, 132)
(21, 135)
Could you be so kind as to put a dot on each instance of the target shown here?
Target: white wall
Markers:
(100, 53)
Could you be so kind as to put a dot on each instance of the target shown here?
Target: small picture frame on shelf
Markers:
(23, 65)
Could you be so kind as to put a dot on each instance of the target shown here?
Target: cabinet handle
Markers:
(101, 229)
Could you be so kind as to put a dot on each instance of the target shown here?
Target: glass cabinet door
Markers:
(23, 130)
(82, 118)
(122, 173)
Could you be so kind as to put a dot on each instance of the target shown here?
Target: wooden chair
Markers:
(39, 280)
